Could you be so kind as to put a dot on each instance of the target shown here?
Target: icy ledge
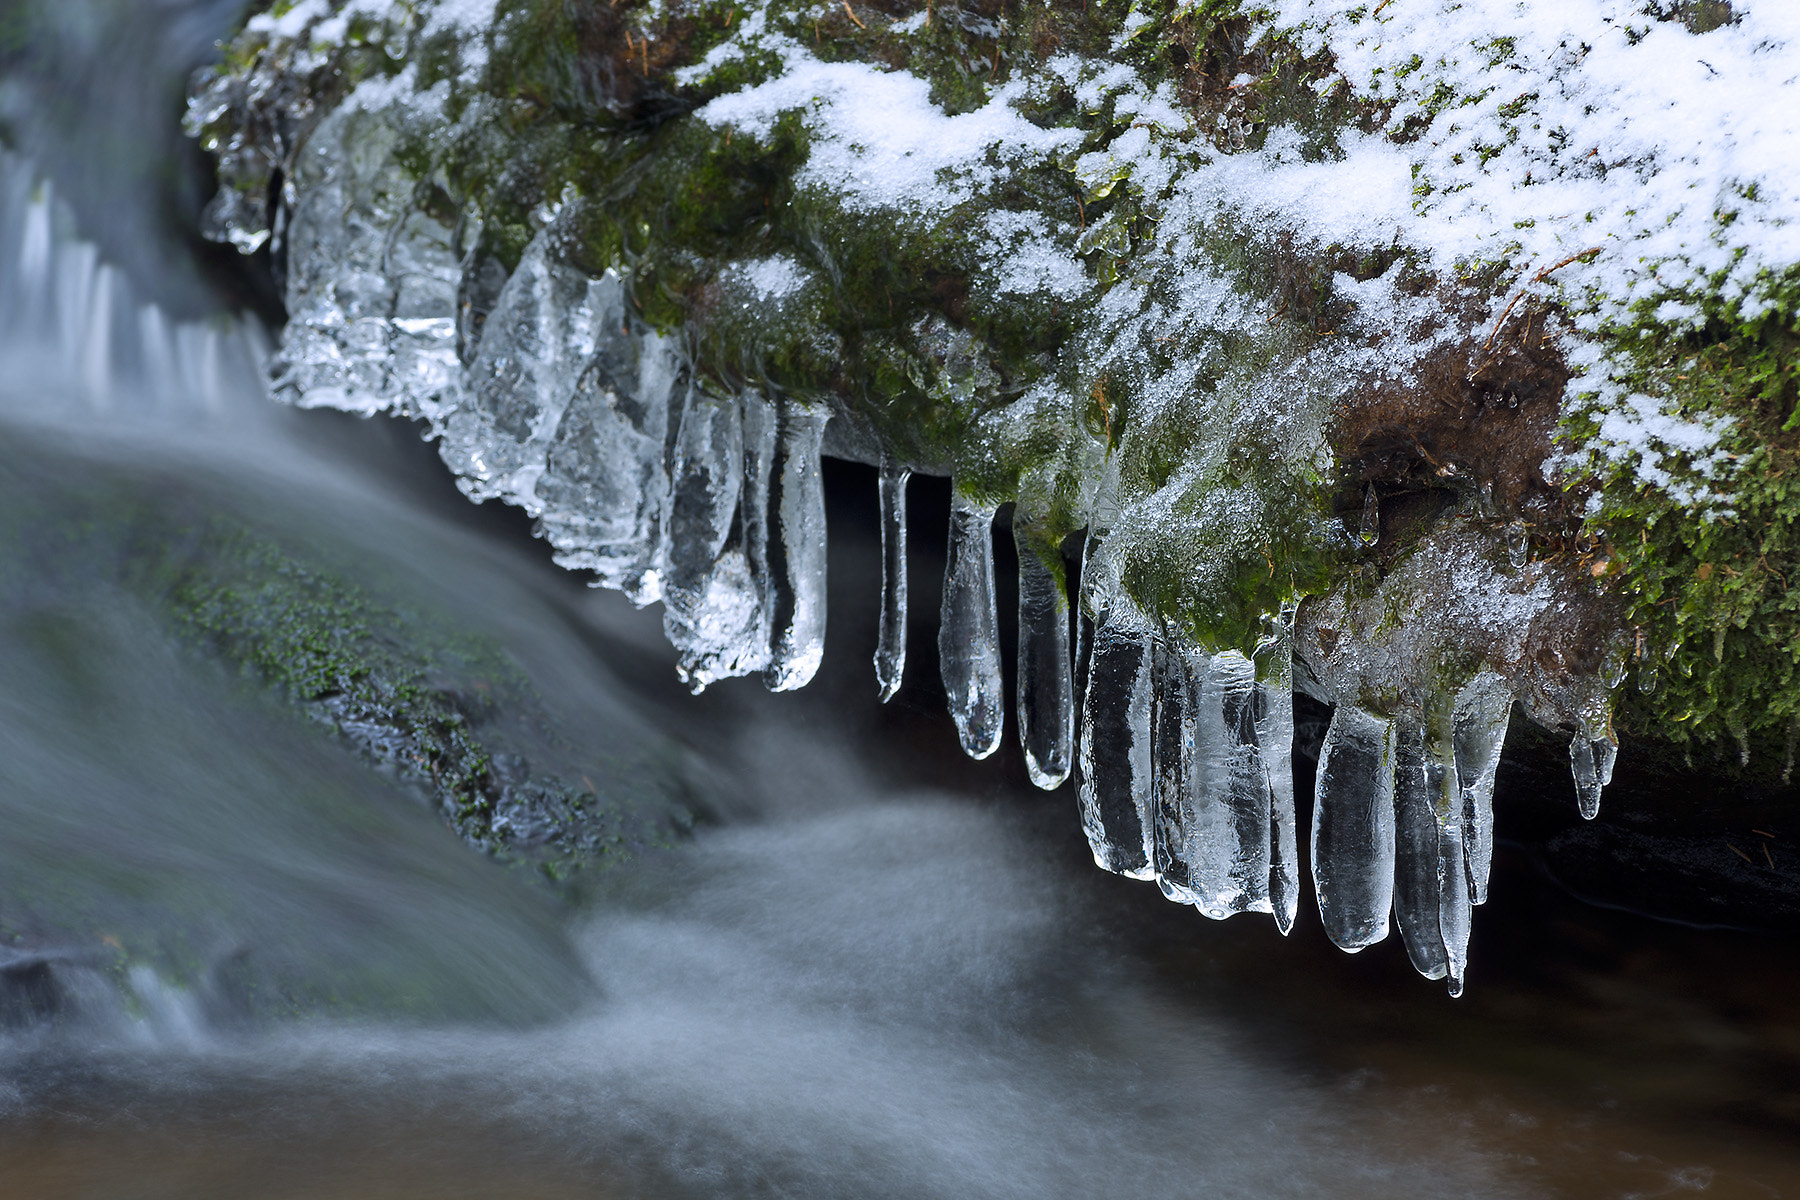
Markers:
(1384, 353)
(665, 489)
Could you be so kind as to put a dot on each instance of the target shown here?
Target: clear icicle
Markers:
(1591, 762)
(1175, 834)
(713, 601)
(1098, 588)
(1353, 828)
(890, 641)
(1455, 906)
(1427, 820)
(1046, 686)
(757, 521)
(538, 342)
(1116, 774)
(1228, 836)
(1245, 783)
(1483, 710)
(796, 551)
(1369, 528)
(1275, 735)
(969, 630)
(707, 473)
(605, 485)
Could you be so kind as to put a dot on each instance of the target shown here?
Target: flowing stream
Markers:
(877, 969)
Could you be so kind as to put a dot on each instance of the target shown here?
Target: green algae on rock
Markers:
(357, 649)
(1401, 343)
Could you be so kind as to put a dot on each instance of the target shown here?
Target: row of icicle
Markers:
(1183, 755)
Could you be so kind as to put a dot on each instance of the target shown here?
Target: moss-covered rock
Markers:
(355, 646)
(1354, 298)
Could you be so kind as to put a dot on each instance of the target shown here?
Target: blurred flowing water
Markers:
(881, 971)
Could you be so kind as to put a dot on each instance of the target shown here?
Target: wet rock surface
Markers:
(354, 645)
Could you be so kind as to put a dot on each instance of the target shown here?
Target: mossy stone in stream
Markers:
(350, 642)
(197, 852)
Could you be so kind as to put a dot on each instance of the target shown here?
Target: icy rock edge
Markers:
(545, 386)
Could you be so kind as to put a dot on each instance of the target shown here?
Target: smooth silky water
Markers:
(878, 969)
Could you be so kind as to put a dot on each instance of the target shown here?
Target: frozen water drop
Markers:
(1046, 687)
(1518, 545)
(1479, 720)
(1425, 815)
(796, 550)
(1353, 828)
(890, 641)
(1116, 788)
(969, 629)
(1369, 527)
(1591, 764)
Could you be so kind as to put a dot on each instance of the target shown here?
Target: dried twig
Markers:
(1538, 278)
(852, 15)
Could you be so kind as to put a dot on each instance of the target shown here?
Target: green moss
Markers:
(1717, 599)
(346, 641)
(288, 621)
(897, 329)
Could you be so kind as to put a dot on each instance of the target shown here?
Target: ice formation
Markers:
(969, 630)
(1268, 317)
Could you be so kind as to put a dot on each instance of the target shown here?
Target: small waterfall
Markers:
(75, 333)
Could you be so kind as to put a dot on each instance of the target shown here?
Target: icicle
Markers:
(604, 489)
(1430, 881)
(1353, 828)
(713, 606)
(547, 325)
(1175, 832)
(969, 629)
(1369, 528)
(756, 515)
(890, 642)
(1275, 735)
(1115, 790)
(1230, 839)
(796, 549)
(1455, 908)
(1591, 763)
(1518, 545)
(1483, 709)
(1046, 688)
